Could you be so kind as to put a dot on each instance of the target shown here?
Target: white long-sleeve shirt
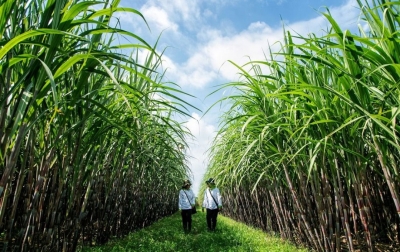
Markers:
(186, 202)
(208, 201)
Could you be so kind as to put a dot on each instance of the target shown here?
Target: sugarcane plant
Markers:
(89, 143)
(309, 147)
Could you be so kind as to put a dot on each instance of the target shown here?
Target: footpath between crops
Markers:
(167, 235)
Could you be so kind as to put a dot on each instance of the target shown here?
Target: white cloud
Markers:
(209, 60)
(211, 48)
(347, 15)
(159, 20)
(203, 132)
(185, 12)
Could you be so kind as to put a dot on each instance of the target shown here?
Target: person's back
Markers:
(213, 203)
(185, 204)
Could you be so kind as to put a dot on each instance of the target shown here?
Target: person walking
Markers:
(186, 203)
(213, 203)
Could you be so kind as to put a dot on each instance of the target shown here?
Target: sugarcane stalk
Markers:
(17, 193)
(321, 210)
(12, 159)
(386, 173)
(343, 209)
(310, 235)
(278, 213)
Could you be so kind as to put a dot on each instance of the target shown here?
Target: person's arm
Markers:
(180, 200)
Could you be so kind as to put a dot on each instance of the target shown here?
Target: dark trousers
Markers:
(187, 219)
(211, 217)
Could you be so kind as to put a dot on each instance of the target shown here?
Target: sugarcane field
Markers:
(96, 138)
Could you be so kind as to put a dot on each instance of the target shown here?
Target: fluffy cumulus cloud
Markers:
(158, 19)
(208, 59)
(247, 45)
(179, 11)
(209, 49)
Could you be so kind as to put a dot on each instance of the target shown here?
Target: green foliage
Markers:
(167, 235)
(88, 130)
(312, 133)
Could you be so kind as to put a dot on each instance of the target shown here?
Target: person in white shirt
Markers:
(213, 203)
(186, 203)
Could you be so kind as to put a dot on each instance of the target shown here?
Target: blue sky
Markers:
(201, 36)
